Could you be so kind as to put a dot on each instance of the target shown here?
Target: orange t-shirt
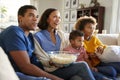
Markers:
(90, 46)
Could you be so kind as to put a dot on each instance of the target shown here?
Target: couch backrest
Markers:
(108, 39)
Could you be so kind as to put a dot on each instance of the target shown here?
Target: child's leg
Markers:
(97, 75)
(108, 71)
(116, 66)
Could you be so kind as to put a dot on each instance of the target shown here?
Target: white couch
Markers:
(7, 72)
(109, 39)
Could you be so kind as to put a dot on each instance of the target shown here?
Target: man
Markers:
(18, 44)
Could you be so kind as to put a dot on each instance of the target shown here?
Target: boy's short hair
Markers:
(75, 33)
(82, 21)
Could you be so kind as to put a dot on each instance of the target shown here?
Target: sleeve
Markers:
(15, 41)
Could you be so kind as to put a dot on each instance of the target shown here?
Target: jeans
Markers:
(76, 71)
(107, 70)
(115, 65)
(27, 77)
(97, 75)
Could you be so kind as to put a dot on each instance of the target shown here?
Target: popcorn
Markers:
(63, 58)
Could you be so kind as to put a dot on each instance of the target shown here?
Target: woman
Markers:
(51, 39)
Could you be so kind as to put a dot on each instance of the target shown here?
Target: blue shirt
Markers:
(13, 38)
(43, 37)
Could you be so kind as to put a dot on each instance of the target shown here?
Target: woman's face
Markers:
(54, 19)
(89, 29)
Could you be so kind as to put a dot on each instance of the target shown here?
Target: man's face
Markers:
(29, 20)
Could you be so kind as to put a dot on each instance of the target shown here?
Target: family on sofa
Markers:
(28, 53)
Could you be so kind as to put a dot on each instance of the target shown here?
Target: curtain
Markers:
(115, 20)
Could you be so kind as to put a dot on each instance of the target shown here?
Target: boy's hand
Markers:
(100, 49)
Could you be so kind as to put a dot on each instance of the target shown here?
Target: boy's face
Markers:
(89, 29)
(77, 42)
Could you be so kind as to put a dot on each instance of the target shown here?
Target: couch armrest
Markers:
(6, 70)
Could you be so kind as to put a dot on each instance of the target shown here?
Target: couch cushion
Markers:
(6, 70)
(118, 40)
(108, 39)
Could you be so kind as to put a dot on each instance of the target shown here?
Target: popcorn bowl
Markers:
(62, 57)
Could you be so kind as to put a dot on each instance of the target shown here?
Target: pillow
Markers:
(6, 70)
(110, 54)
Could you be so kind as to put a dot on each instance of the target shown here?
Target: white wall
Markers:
(108, 11)
(59, 4)
(44, 4)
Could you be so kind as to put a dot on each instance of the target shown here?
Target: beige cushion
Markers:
(118, 40)
(108, 39)
(6, 70)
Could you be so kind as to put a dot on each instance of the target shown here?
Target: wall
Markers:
(59, 4)
(44, 4)
(108, 11)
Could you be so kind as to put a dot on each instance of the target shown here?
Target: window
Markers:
(115, 21)
(8, 11)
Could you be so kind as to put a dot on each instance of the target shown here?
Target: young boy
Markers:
(76, 39)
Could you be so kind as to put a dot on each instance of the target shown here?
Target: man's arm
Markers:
(22, 60)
